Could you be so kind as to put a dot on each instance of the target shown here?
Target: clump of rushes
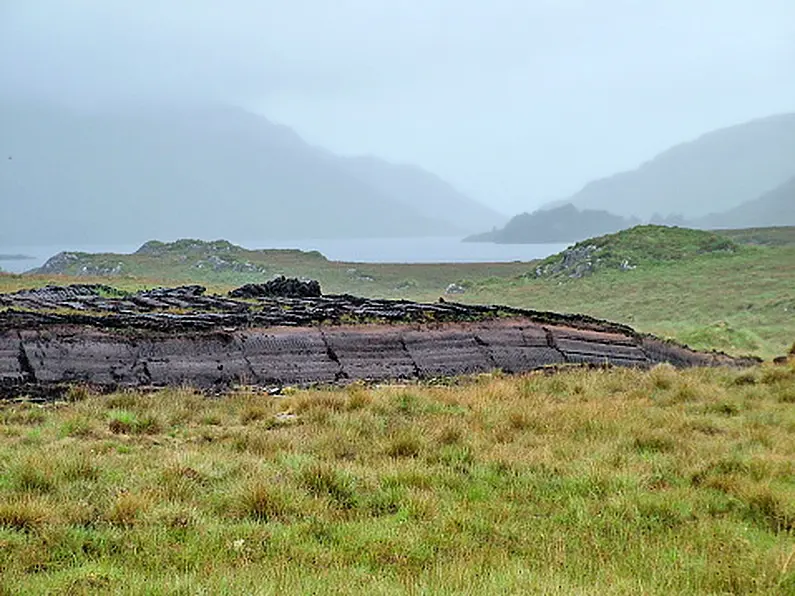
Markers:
(24, 514)
(265, 502)
(128, 508)
(126, 422)
(77, 393)
(404, 444)
(322, 480)
(32, 475)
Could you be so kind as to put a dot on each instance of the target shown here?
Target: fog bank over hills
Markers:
(128, 174)
(124, 174)
(422, 190)
(515, 103)
(742, 176)
(774, 208)
(511, 103)
(718, 171)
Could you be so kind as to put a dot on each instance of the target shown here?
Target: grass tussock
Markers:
(127, 422)
(404, 444)
(127, 509)
(265, 502)
(601, 481)
(23, 514)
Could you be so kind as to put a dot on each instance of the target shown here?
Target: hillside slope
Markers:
(423, 191)
(774, 208)
(713, 173)
(705, 289)
(132, 174)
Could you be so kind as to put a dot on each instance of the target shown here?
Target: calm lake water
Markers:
(367, 250)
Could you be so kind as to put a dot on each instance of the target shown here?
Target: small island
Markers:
(16, 257)
(560, 224)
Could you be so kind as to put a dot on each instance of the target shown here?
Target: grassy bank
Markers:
(777, 236)
(588, 482)
(742, 302)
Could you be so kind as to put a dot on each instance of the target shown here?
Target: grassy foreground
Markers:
(584, 482)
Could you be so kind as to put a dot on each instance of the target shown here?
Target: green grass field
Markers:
(743, 303)
(584, 482)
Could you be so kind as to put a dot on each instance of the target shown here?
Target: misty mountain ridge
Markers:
(774, 208)
(566, 223)
(122, 174)
(716, 172)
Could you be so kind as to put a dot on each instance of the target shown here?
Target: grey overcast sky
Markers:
(514, 101)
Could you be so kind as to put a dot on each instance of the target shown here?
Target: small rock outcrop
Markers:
(575, 262)
(455, 289)
(280, 287)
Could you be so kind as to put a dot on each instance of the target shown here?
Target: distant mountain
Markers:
(716, 172)
(423, 191)
(561, 224)
(126, 175)
(774, 208)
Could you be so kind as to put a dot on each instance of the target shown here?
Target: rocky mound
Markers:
(176, 336)
(629, 249)
(186, 255)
